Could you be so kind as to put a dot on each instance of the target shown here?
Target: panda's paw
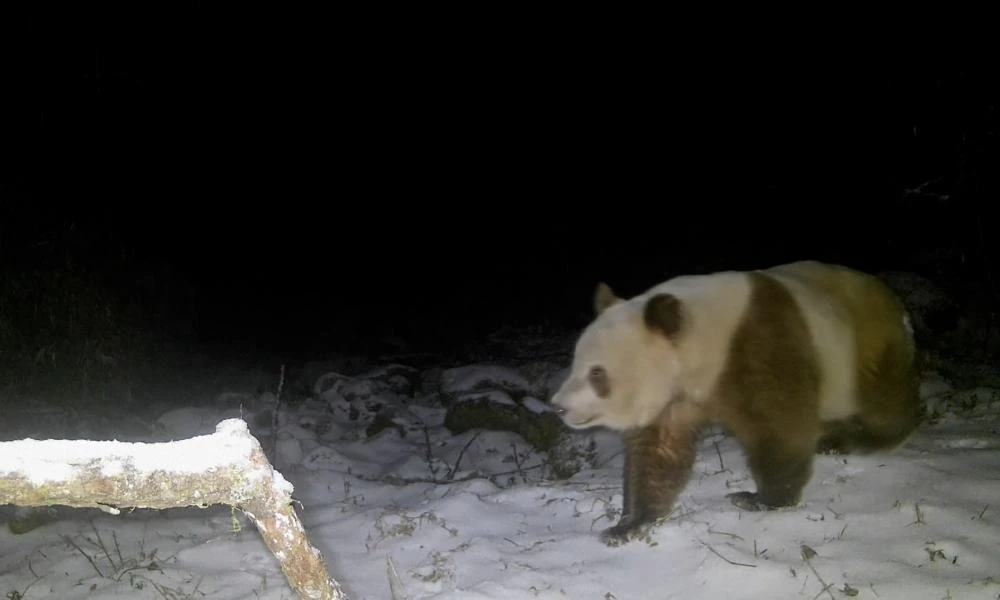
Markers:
(752, 501)
(615, 536)
(627, 530)
(747, 501)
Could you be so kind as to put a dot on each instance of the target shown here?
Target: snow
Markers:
(44, 461)
(464, 517)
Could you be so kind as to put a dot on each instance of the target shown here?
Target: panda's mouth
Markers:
(575, 422)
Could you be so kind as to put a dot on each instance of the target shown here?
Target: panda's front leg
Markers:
(658, 464)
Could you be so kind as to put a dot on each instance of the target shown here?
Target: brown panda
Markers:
(792, 360)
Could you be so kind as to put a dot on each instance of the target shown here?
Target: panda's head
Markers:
(625, 365)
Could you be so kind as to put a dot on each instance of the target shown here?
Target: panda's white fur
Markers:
(776, 355)
(830, 324)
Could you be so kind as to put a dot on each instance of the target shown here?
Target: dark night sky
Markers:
(297, 166)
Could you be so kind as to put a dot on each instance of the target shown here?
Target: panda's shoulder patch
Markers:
(711, 309)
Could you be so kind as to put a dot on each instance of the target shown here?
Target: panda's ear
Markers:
(604, 297)
(663, 314)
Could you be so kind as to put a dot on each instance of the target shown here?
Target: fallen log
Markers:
(226, 467)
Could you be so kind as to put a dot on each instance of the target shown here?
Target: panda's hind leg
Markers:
(869, 432)
(781, 468)
(842, 436)
(890, 410)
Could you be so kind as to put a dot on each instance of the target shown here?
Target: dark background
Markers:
(294, 181)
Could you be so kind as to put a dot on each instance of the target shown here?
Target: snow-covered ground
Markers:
(384, 485)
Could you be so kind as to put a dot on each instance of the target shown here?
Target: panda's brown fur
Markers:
(792, 360)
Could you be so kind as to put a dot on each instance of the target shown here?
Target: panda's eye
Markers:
(598, 379)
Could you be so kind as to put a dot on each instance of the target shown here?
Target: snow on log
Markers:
(226, 467)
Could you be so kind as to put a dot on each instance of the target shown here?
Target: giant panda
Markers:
(792, 360)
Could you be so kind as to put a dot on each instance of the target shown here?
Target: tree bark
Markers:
(226, 467)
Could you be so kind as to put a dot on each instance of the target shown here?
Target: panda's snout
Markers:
(556, 407)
